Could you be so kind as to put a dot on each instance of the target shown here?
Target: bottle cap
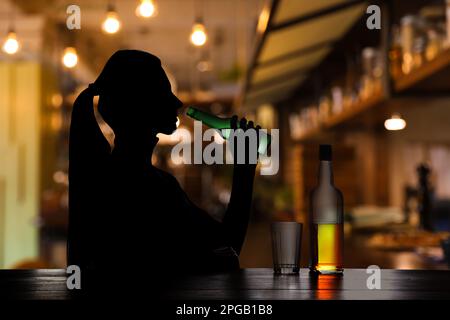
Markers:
(325, 152)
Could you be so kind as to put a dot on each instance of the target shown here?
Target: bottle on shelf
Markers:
(407, 40)
(395, 54)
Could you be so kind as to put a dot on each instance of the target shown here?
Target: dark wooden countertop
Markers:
(253, 284)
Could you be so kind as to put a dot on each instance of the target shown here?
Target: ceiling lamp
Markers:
(263, 20)
(395, 122)
(70, 57)
(146, 9)
(11, 45)
(112, 23)
(198, 35)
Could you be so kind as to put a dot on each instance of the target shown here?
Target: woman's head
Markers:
(136, 99)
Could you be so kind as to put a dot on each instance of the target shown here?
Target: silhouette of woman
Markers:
(124, 212)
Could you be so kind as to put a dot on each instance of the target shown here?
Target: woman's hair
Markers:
(89, 153)
(126, 73)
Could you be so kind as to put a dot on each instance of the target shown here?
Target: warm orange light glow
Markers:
(395, 122)
(11, 45)
(198, 35)
(328, 286)
(146, 9)
(112, 23)
(70, 57)
(263, 20)
(56, 100)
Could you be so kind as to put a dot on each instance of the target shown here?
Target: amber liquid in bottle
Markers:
(327, 247)
(326, 220)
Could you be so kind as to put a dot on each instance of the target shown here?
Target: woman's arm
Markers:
(237, 214)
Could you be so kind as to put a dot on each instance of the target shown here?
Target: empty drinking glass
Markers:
(286, 247)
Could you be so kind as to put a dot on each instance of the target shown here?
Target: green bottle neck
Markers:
(224, 126)
(208, 119)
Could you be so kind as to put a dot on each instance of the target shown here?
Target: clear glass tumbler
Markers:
(286, 247)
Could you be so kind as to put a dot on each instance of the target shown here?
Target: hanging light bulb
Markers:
(11, 45)
(395, 122)
(70, 57)
(112, 23)
(198, 35)
(263, 20)
(146, 9)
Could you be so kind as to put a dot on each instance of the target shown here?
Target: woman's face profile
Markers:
(166, 106)
(141, 109)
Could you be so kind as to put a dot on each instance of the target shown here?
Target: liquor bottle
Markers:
(326, 220)
(223, 125)
(395, 53)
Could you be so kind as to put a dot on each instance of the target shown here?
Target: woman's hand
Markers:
(238, 211)
(250, 160)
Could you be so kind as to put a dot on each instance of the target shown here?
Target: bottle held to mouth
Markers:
(223, 125)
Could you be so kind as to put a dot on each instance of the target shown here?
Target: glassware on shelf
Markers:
(395, 54)
(407, 41)
(366, 87)
(313, 116)
(368, 60)
(295, 126)
(433, 45)
(324, 108)
(337, 104)
(418, 52)
(350, 98)
(447, 14)
(371, 81)
(347, 101)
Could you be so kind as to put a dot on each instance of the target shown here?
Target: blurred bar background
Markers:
(313, 69)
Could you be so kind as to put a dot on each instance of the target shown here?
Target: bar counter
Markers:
(252, 284)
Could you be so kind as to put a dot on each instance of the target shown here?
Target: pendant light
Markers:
(395, 123)
(146, 9)
(11, 44)
(111, 24)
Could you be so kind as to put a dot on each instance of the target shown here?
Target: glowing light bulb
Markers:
(395, 122)
(70, 57)
(263, 20)
(11, 45)
(198, 35)
(112, 23)
(146, 9)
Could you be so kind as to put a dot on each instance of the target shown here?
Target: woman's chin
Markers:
(168, 130)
